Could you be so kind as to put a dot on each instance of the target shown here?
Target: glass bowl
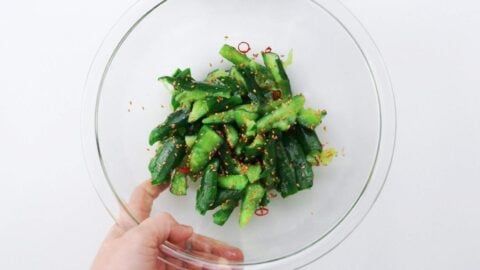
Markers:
(335, 65)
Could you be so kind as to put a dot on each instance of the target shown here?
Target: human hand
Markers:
(129, 246)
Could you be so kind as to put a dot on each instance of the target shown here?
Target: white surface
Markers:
(426, 218)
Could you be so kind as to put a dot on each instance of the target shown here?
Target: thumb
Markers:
(157, 229)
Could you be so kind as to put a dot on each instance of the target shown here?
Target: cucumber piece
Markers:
(179, 184)
(303, 169)
(171, 154)
(207, 192)
(253, 195)
(237, 182)
(207, 142)
(253, 173)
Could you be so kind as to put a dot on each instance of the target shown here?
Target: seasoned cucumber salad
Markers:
(242, 133)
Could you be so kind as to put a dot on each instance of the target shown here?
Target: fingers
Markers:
(160, 228)
(153, 231)
(167, 262)
(141, 200)
(180, 233)
(205, 245)
(115, 232)
(216, 263)
(173, 264)
(140, 204)
(139, 207)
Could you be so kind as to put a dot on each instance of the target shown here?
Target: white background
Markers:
(428, 216)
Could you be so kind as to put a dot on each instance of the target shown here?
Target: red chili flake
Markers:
(184, 170)
(268, 49)
(262, 211)
(255, 55)
(241, 47)
(276, 94)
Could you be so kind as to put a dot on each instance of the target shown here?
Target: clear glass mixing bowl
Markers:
(335, 65)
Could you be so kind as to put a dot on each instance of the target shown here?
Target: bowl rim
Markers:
(344, 227)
